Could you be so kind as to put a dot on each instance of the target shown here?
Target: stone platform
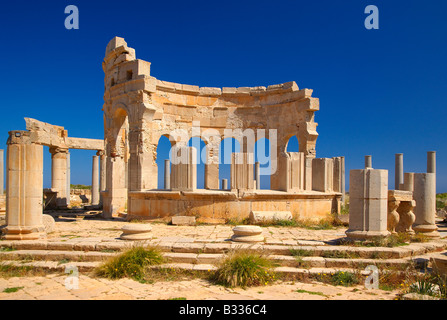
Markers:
(220, 206)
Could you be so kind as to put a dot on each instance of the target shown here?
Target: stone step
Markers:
(62, 257)
(52, 266)
(55, 255)
(177, 246)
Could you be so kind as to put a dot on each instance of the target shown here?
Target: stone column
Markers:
(343, 180)
(95, 181)
(408, 182)
(212, 165)
(68, 179)
(224, 184)
(368, 208)
(242, 171)
(1, 173)
(167, 176)
(368, 162)
(102, 173)
(399, 171)
(322, 174)
(431, 162)
(59, 175)
(258, 175)
(425, 210)
(184, 168)
(24, 181)
(308, 173)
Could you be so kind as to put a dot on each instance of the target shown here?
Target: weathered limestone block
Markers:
(267, 216)
(183, 221)
(368, 207)
(338, 171)
(136, 231)
(184, 169)
(292, 173)
(49, 223)
(425, 210)
(406, 216)
(400, 215)
(242, 171)
(247, 234)
(439, 264)
(322, 174)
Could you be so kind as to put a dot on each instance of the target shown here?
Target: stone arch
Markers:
(293, 144)
(164, 146)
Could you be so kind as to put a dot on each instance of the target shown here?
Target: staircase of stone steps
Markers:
(290, 259)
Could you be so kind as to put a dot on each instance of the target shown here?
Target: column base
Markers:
(427, 230)
(363, 235)
(24, 233)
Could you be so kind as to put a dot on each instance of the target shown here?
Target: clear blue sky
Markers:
(381, 91)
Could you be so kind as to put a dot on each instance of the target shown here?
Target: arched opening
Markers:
(293, 144)
(163, 150)
(226, 148)
(263, 156)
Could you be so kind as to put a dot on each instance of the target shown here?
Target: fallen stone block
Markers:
(269, 216)
(183, 221)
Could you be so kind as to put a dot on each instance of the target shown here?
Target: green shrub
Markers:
(244, 269)
(132, 263)
(344, 278)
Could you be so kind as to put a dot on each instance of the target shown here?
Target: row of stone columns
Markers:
(375, 211)
(167, 175)
(60, 176)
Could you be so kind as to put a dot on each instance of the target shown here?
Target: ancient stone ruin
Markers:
(139, 109)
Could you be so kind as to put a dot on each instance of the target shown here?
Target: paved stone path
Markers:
(53, 286)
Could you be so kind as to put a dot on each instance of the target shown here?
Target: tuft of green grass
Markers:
(301, 253)
(345, 278)
(244, 269)
(131, 263)
(311, 292)
(12, 289)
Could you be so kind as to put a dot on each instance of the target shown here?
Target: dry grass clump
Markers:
(244, 269)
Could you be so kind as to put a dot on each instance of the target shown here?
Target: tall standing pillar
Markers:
(1, 173)
(24, 181)
(59, 175)
(343, 180)
(95, 181)
(68, 179)
(431, 162)
(368, 162)
(258, 175)
(102, 173)
(425, 210)
(368, 204)
(399, 171)
(167, 174)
